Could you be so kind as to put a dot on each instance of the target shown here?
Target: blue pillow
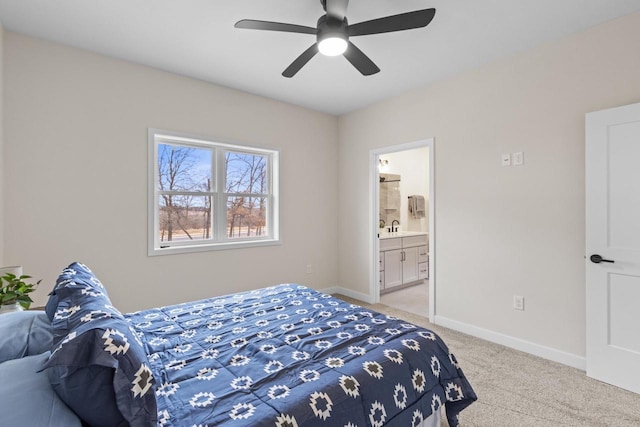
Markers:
(27, 396)
(78, 309)
(98, 365)
(77, 298)
(76, 277)
(102, 373)
(51, 306)
(24, 333)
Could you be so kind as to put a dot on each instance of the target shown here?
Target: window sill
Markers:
(212, 247)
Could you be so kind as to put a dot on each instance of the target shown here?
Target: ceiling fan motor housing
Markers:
(332, 27)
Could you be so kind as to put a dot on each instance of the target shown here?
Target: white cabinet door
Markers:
(410, 271)
(392, 268)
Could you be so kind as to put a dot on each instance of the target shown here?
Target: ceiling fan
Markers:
(333, 32)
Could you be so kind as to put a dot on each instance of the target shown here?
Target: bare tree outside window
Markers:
(183, 174)
(246, 187)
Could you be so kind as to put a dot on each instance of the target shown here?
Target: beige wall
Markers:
(500, 231)
(76, 176)
(1, 145)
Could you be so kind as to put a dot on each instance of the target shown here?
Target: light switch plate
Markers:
(506, 159)
(518, 302)
(518, 159)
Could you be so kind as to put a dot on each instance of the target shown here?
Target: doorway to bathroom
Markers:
(402, 225)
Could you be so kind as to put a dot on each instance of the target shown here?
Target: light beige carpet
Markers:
(516, 389)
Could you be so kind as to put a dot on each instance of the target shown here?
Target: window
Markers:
(206, 195)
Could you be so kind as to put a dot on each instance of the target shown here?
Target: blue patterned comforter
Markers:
(288, 356)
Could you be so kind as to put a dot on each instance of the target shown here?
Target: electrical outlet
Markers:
(309, 271)
(518, 302)
(506, 159)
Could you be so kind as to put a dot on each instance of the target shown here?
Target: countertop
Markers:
(387, 235)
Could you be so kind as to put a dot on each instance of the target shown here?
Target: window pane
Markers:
(246, 173)
(246, 217)
(184, 218)
(183, 168)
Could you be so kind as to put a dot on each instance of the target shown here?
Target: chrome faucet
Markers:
(394, 229)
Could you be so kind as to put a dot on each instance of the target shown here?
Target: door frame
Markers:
(374, 193)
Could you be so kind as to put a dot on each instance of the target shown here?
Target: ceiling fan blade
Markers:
(253, 24)
(403, 21)
(336, 8)
(359, 60)
(301, 61)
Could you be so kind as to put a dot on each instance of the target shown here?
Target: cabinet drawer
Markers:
(390, 244)
(423, 270)
(423, 254)
(414, 241)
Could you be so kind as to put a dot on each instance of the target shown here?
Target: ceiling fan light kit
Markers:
(333, 31)
(332, 46)
(332, 36)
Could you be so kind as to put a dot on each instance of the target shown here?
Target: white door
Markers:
(613, 246)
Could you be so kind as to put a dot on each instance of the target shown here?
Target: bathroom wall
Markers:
(413, 168)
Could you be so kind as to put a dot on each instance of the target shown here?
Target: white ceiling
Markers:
(196, 38)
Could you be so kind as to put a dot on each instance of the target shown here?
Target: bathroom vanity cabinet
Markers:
(404, 260)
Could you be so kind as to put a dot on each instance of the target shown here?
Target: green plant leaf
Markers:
(14, 289)
(25, 304)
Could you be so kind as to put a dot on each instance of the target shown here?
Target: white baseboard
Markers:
(549, 353)
(559, 356)
(348, 293)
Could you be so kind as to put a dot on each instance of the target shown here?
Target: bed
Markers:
(282, 356)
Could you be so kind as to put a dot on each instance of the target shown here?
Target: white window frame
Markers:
(220, 240)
